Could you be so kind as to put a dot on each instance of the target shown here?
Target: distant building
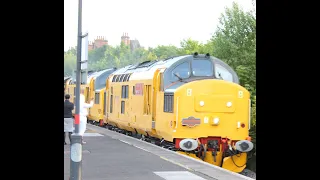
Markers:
(101, 40)
(134, 44)
(97, 43)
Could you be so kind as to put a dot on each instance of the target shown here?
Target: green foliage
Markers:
(69, 62)
(189, 46)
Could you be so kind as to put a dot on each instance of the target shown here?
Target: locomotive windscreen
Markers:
(202, 67)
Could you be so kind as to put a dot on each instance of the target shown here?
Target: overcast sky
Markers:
(152, 22)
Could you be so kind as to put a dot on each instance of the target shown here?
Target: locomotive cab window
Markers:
(202, 68)
(222, 73)
(182, 71)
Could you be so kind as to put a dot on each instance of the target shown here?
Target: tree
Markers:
(163, 52)
(69, 63)
(235, 43)
(189, 46)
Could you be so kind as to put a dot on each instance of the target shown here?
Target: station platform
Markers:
(109, 155)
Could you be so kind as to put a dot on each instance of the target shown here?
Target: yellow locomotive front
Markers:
(210, 112)
(97, 91)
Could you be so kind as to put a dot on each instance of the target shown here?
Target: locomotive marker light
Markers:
(188, 144)
(81, 78)
(216, 121)
(205, 120)
(229, 104)
(244, 146)
(201, 103)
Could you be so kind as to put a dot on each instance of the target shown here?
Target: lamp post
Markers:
(81, 78)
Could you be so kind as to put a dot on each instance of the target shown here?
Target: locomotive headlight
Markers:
(188, 144)
(229, 104)
(216, 121)
(201, 103)
(244, 146)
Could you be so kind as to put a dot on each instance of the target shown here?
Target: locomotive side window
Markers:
(222, 73)
(202, 68)
(122, 107)
(96, 98)
(182, 70)
(111, 103)
(125, 91)
(105, 103)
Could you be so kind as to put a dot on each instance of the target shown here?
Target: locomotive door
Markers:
(157, 81)
(91, 92)
(87, 94)
(105, 107)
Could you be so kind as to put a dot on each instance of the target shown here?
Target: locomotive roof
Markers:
(148, 65)
(146, 69)
(99, 73)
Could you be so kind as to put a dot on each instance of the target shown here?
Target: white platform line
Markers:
(178, 175)
(91, 134)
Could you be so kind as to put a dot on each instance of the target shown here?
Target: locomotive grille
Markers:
(168, 102)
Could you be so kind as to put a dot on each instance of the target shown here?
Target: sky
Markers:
(151, 22)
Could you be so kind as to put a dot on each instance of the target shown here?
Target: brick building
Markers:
(101, 40)
(134, 44)
(97, 43)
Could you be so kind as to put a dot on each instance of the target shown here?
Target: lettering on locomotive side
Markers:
(191, 121)
(139, 89)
